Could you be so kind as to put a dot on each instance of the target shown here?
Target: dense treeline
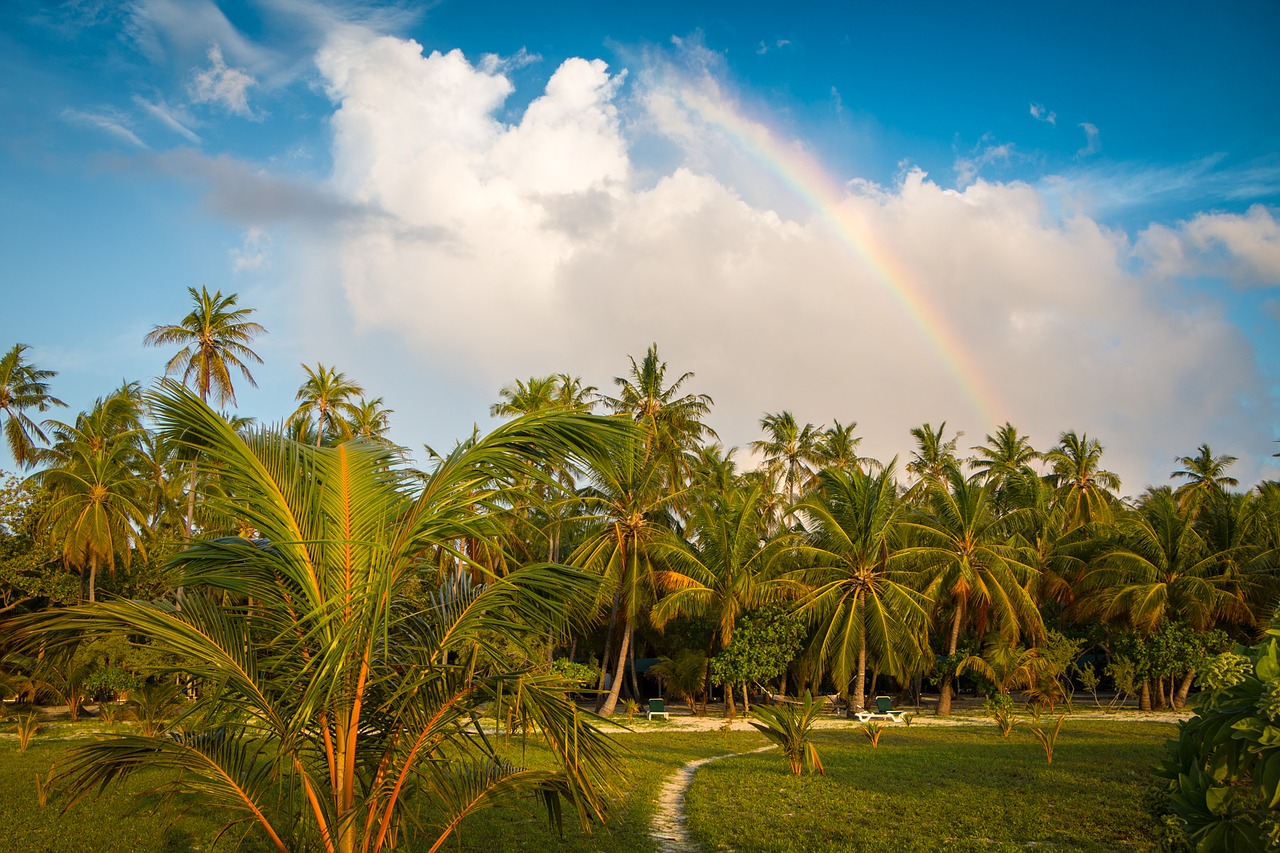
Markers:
(339, 618)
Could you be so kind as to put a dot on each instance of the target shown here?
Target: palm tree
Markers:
(727, 567)
(343, 688)
(98, 513)
(790, 451)
(368, 419)
(215, 340)
(630, 502)
(328, 394)
(1004, 462)
(838, 448)
(1084, 488)
(671, 422)
(861, 602)
(961, 547)
(934, 458)
(23, 387)
(1207, 476)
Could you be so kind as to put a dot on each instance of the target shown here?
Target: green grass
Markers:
(925, 788)
(931, 788)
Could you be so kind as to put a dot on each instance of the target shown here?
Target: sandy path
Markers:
(668, 829)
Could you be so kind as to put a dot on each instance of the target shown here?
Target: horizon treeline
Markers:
(1011, 567)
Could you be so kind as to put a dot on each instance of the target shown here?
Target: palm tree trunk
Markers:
(611, 700)
(944, 697)
(1144, 700)
(1180, 699)
(93, 579)
(746, 699)
(608, 646)
(631, 661)
(858, 699)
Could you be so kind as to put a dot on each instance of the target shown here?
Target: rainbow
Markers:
(822, 194)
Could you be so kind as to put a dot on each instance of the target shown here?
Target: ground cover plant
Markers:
(930, 788)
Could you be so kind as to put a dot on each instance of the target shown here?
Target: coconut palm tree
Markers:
(962, 550)
(726, 567)
(790, 451)
(671, 422)
(368, 419)
(860, 600)
(838, 447)
(1084, 487)
(1206, 475)
(630, 503)
(23, 388)
(343, 681)
(934, 458)
(328, 395)
(215, 340)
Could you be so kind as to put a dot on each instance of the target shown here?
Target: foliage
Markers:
(684, 675)
(790, 726)
(1048, 740)
(578, 674)
(763, 644)
(1000, 708)
(155, 705)
(872, 729)
(1223, 772)
(26, 727)
(330, 697)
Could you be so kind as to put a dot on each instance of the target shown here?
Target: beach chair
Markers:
(657, 708)
(884, 711)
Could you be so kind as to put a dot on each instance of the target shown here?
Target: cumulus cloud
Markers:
(985, 153)
(222, 85)
(889, 305)
(1244, 248)
(1039, 113)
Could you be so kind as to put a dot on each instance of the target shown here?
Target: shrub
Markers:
(27, 726)
(790, 727)
(873, 729)
(1000, 708)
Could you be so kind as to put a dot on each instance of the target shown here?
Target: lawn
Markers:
(930, 787)
(925, 788)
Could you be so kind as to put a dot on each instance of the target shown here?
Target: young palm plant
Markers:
(342, 676)
(790, 727)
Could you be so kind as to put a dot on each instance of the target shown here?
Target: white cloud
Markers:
(1039, 113)
(1092, 140)
(890, 305)
(109, 122)
(1244, 248)
(985, 153)
(254, 253)
(162, 113)
(222, 85)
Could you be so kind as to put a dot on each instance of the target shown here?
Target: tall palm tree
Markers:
(670, 421)
(630, 502)
(961, 548)
(215, 340)
(1206, 475)
(98, 512)
(838, 447)
(934, 458)
(726, 567)
(23, 387)
(343, 690)
(790, 451)
(861, 601)
(1084, 487)
(327, 394)
(368, 419)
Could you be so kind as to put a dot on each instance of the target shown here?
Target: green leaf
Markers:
(1269, 778)
(1219, 799)
(1268, 666)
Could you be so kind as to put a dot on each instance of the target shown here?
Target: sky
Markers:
(1066, 218)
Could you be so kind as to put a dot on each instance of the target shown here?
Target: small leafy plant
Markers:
(109, 713)
(631, 706)
(44, 786)
(1000, 707)
(156, 704)
(872, 729)
(1048, 741)
(907, 718)
(790, 727)
(26, 726)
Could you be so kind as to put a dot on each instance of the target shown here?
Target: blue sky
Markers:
(1064, 217)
